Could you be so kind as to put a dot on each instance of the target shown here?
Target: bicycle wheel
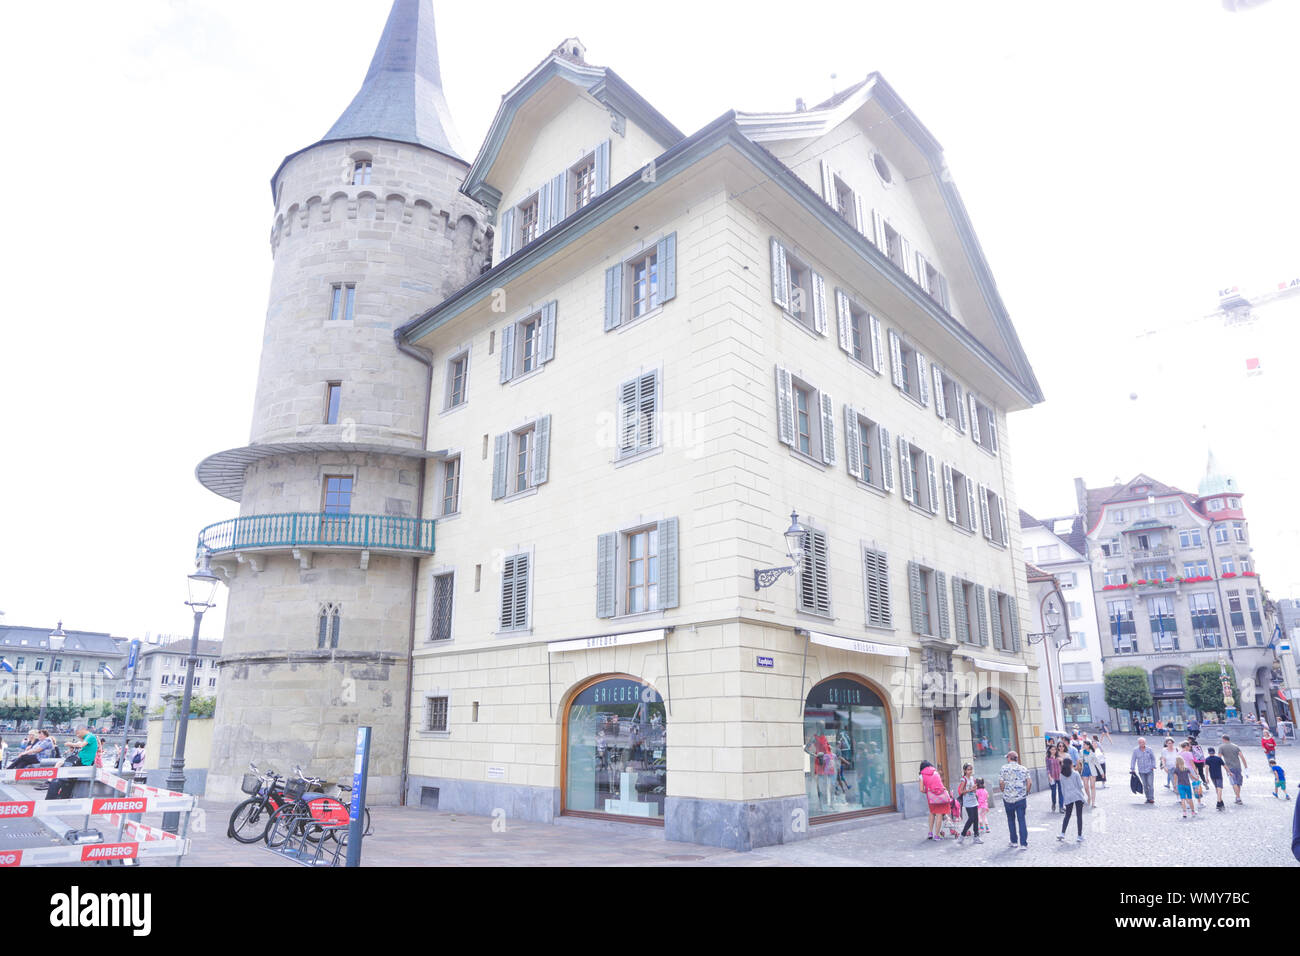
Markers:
(341, 835)
(324, 810)
(285, 822)
(249, 821)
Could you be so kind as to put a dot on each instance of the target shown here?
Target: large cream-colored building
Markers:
(680, 341)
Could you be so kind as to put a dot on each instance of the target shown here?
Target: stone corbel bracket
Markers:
(303, 557)
(254, 561)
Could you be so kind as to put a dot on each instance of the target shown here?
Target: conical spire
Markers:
(401, 98)
(1215, 481)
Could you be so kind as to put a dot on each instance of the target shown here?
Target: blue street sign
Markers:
(766, 662)
(135, 650)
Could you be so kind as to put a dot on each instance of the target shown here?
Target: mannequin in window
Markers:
(824, 765)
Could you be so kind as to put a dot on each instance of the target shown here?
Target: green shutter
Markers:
(666, 257)
(914, 596)
(668, 563)
(905, 470)
(1015, 625)
(606, 575)
(941, 596)
(996, 621)
(982, 611)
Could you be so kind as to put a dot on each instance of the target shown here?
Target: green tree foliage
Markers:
(1205, 690)
(1128, 688)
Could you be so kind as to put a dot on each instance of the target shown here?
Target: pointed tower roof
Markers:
(401, 98)
(1216, 481)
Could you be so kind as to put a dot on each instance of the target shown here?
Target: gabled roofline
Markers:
(603, 84)
(722, 131)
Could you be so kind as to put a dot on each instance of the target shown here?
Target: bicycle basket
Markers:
(293, 789)
(252, 783)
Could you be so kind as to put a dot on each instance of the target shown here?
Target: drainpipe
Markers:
(425, 358)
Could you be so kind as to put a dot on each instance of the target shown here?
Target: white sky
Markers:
(1120, 162)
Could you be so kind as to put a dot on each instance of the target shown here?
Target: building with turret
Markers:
(693, 510)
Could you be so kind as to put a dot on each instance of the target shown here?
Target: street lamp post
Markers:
(203, 587)
(794, 546)
(56, 640)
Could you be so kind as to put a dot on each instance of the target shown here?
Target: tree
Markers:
(1128, 688)
(1205, 690)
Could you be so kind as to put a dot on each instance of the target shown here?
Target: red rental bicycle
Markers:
(312, 815)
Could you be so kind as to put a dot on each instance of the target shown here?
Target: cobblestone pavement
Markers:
(1120, 831)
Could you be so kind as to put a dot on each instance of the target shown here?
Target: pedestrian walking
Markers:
(1099, 761)
(1268, 743)
(982, 796)
(937, 797)
(1015, 783)
(1167, 757)
(1105, 732)
(1183, 780)
(1054, 775)
(1198, 761)
(1234, 761)
(1088, 774)
(1214, 765)
(1193, 728)
(1072, 793)
(970, 802)
(1143, 763)
(1279, 778)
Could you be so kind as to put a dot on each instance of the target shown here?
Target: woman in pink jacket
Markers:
(937, 797)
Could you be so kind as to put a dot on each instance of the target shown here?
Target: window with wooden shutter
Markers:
(905, 473)
(780, 276)
(941, 600)
(602, 167)
(828, 429)
(814, 575)
(820, 325)
(970, 504)
(916, 599)
(638, 414)
(541, 450)
(613, 297)
(500, 455)
(666, 253)
(983, 612)
(886, 459)
(606, 575)
(1014, 614)
(932, 485)
(852, 442)
(985, 523)
(962, 624)
(949, 494)
(877, 348)
(784, 407)
(940, 400)
(514, 592)
(875, 566)
(995, 616)
(668, 564)
(922, 379)
(974, 419)
(507, 224)
(895, 359)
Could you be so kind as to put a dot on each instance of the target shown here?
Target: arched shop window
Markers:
(993, 734)
(848, 753)
(616, 750)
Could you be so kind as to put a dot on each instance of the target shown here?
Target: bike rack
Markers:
(305, 852)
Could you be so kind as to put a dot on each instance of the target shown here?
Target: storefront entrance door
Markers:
(941, 748)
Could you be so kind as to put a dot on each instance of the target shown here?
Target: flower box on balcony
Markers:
(1200, 577)
(1247, 574)
(1227, 574)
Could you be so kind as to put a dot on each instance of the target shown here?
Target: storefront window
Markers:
(1077, 709)
(616, 756)
(847, 767)
(993, 732)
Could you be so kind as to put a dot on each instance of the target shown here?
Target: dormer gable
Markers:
(561, 137)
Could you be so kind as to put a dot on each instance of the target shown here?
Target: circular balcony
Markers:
(248, 538)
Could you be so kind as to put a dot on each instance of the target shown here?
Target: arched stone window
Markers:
(327, 627)
(615, 750)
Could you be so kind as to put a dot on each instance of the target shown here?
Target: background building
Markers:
(161, 671)
(75, 673)
(1175, 585)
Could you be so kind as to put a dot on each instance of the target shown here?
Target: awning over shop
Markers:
(984, 664)
(853, 644)
(607, 640)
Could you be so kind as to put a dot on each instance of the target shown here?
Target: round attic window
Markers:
(882, 168)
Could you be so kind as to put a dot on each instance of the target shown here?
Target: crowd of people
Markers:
(1076, 765)
(84, 750)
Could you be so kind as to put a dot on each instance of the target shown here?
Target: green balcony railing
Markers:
(304, 529)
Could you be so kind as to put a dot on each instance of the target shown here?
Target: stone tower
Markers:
(369, 230)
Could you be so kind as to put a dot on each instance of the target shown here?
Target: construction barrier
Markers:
(92, 853)
(95, 806)
(147, 833)
(72, 772)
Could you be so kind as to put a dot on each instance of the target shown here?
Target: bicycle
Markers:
(251, 818)
(312, 816)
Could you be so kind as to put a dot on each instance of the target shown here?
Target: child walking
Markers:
(1214, 764)
(1183, 781)
(982, 796)
(970, 802)
(1279, 778)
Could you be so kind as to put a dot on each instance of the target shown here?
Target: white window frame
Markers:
(449, 463)
(801, 308)
(571, 184)
(622, 557)
(869, 430)
(651, 251)
(448, 390)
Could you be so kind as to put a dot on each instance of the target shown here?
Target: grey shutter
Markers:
(780, 276)
(1015, 625)
(982, 611)
(784, 407)
(547, 351)
(943, 292)
(934, 485)
(828, 429)
(985, 523)
(559, 199)
(959, 611)
(974, 418)
(845, 319)
(877, 349)
(606, 575)
(876, 568)
(522, 584)
(648, 409)
(940, 404)
(960, 399)
(499, 455)
(668, 563)
(905, 470)
(852, 447)
(628, 394)
(1002, 521)
(860, 217)
(507, 232)
(828, 185)
(941, 597)
(613, 297)
(666, 258)
(970, 505)
(895, 359)
(995, 619)
(544, 207)
(993, 429)
(949, 494)
(921, 276)
(922, 378)
(905, 258)
(819, 303)
(507, 353)
(507, 594)
(541, 449)
(886, 458)
(914, 596)
(882, 243)
(602, 167)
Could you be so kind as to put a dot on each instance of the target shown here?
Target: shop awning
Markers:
(853, 644)
(607, 640)
(984, 664)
